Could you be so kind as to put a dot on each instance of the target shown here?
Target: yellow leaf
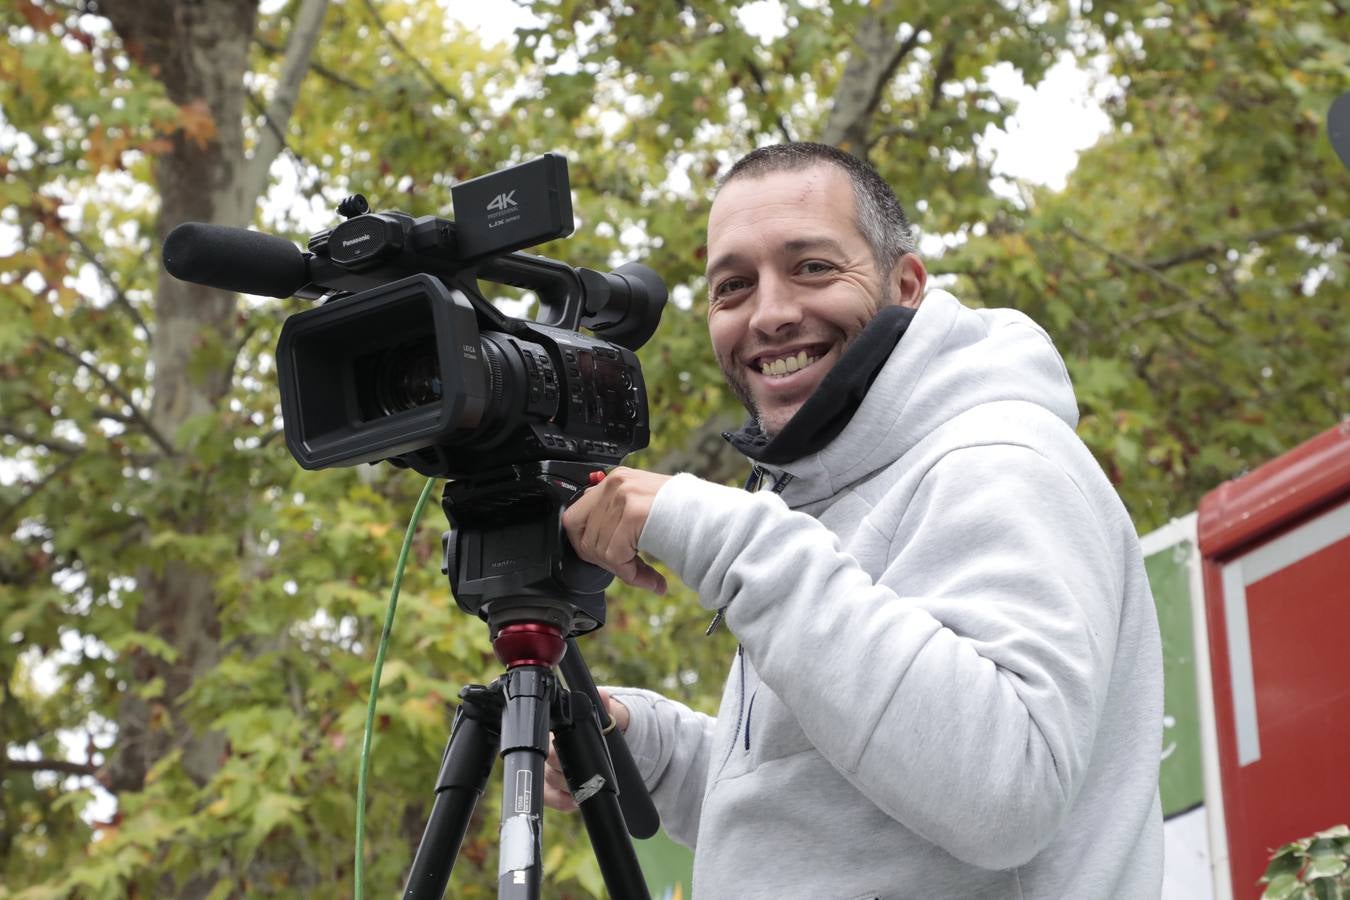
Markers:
(197, 123)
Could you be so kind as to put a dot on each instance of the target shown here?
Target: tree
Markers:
(203, 613)
(1193, 269)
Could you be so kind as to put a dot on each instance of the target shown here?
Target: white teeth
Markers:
(787, 364)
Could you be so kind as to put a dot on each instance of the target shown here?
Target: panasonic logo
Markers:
(356, 240)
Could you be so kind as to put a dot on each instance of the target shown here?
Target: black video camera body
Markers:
(406, 361)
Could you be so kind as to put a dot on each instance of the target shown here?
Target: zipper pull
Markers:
(716, 622)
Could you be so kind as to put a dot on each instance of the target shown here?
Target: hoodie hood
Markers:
(950, 360)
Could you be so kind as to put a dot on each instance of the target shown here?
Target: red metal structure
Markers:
(1276, 549)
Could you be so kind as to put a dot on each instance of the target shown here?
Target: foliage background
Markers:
(187, 618)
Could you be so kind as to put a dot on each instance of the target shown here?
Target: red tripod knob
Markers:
(529, 644)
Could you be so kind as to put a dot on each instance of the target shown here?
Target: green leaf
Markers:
(1285, 861)
(1325, 859)
(272, 811)
(132, 641)
(1282, 887)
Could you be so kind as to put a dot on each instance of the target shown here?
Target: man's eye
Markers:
(814, 267)
(729, 286)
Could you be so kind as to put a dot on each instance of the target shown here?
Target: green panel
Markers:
(667, 866)
(1181, 779)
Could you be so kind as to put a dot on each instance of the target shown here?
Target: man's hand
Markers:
(556, 794)
(605, 523)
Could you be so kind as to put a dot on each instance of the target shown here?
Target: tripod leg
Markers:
(530, 691)
(638, 810)
(465, 768)
(585, 762)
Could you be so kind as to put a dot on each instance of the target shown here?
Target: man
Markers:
(950, 677)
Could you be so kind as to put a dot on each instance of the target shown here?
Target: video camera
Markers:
(406, 361)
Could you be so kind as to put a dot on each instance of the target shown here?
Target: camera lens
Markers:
(409, 377)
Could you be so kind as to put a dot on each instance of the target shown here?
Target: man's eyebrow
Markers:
(801, 245)
(725, 261)
(789, 248)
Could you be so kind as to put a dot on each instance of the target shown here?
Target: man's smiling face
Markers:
(791, 280)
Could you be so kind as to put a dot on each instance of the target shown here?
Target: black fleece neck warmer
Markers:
(834, 401)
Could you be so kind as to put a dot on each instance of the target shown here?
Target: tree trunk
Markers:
(871, 64)
(200, 53)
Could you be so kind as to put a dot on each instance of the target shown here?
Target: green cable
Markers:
(375, 689)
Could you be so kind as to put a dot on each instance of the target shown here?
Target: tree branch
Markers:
(102, 412)
(65, 767)
(304, 35)
(903, 131)
(319, 69)
(53, 475)
(54, 444)
(882, 136)
(417, 63)
(1191, 301)
(250, 328)
(119, 298)
(122, 395)
(59, 224)
(764, 92)
(943, 71)
(871, 64)
(1311, 226)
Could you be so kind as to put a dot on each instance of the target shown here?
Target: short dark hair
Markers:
(880, 217)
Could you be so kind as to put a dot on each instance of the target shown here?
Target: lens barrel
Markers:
(402, 373)
(407, 377)
(380, 373)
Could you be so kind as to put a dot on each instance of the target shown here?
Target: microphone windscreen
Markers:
(235, 259)
(1338, 127)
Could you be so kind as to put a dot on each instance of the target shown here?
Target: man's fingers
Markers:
(613, 711)
(618, 553)
(640, 575)
(556, 793)
(604, 523)
(559, 798)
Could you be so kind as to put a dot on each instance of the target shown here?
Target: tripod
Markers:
(510, 563)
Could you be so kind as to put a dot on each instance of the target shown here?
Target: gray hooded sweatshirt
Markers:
(950, 677)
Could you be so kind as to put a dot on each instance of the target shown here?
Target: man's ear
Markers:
(908, 279)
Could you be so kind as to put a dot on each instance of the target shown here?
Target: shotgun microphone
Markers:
(235, 259)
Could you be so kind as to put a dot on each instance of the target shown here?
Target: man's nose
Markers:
(776, 306)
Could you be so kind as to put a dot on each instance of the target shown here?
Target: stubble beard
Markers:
(736, 379)
(739, 381)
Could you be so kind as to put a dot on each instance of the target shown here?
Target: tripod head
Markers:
(507, 556)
